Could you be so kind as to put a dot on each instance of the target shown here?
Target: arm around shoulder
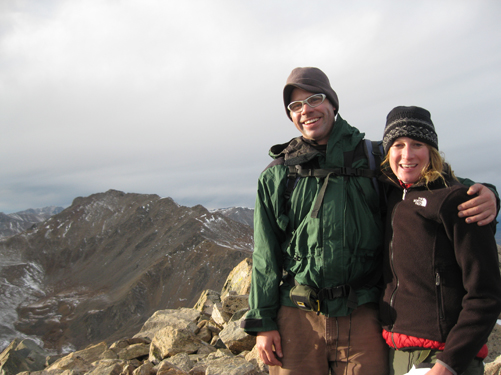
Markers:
(484, 207)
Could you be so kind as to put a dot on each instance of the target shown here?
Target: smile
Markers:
(311, 121)
(408, 165)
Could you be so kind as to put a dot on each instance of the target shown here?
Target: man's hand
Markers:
(482, 209)
(438, 369)
(268, 344)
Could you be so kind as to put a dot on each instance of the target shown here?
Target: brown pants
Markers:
(314, 344)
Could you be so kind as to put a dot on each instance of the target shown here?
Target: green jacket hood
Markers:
(343, 137)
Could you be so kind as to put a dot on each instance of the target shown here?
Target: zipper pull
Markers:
(437, 279)
(403, 196)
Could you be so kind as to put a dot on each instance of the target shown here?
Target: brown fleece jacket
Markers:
(441, 275)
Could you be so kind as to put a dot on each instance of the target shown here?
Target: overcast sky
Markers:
(184, 98)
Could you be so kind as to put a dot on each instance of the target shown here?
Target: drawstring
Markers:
(337, 339)
(349, 345)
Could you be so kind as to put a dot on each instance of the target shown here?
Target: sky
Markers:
(183, 99)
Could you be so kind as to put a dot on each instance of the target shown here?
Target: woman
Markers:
(442, 285)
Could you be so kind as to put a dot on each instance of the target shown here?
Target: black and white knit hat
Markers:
(412, 122)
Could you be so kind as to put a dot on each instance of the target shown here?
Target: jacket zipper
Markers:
(392, 298)
(438, 283)
(393, 294)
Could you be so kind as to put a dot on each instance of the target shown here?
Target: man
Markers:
(318, 243)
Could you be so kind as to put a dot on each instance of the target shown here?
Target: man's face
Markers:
(313, 123)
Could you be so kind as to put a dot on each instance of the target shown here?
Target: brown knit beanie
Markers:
(411, 122)
(312, 80)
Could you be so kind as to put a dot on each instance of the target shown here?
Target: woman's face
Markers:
(408, 158)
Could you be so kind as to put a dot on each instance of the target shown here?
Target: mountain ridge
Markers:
(111, 259)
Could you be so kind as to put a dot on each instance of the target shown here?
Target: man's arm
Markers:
(482, 209)
(270, 223)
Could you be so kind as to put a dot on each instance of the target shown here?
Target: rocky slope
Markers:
(100, 268)
(206, 339)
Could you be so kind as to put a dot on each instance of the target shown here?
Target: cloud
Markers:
(183, 99)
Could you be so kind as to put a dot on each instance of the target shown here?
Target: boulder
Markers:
(206, 301)
(107, 367)
(231, 365)
(182, 318)
(134, 351)
(80, 360)
(75, 364)
(233, 303)
(493, 368)
(170, 341)
(145, 369)
(22, 355)
(235, 338)
(239, 279)
(219, 316)
(167, 368)
(181, 360)
(254, 358)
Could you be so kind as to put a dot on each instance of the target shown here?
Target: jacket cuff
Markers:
(253, 326)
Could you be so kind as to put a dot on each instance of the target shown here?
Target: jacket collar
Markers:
(343, 137)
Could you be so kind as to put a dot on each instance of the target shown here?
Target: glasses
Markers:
(313, 101)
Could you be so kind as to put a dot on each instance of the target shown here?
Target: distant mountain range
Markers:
(11, 224)
(99, 268)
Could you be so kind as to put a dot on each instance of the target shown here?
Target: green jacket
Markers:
(341, 246)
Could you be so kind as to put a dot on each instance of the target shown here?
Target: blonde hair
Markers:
(432, 172)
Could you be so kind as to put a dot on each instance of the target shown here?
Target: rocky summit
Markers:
(100, 268)
(203, 340)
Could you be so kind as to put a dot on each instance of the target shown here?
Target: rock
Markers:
(219, 353)
(170, 341)
(109, 354)
(205, 334)
(145, 369)
(233, 303)
(134, 351)
(231, 365)
(219, 316)
(235, 338)
(107, 367)
(73, 363)
(120, 344)
(239, 279)
(129, 369)
(493, 368)
(167, 368)
(182, 318)
(207, 300)
(182, 360)
(196, 358)
(254, 358)
(218, 343)
(205, 349)
(80, 360)
(22, 355)
(198, 369)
